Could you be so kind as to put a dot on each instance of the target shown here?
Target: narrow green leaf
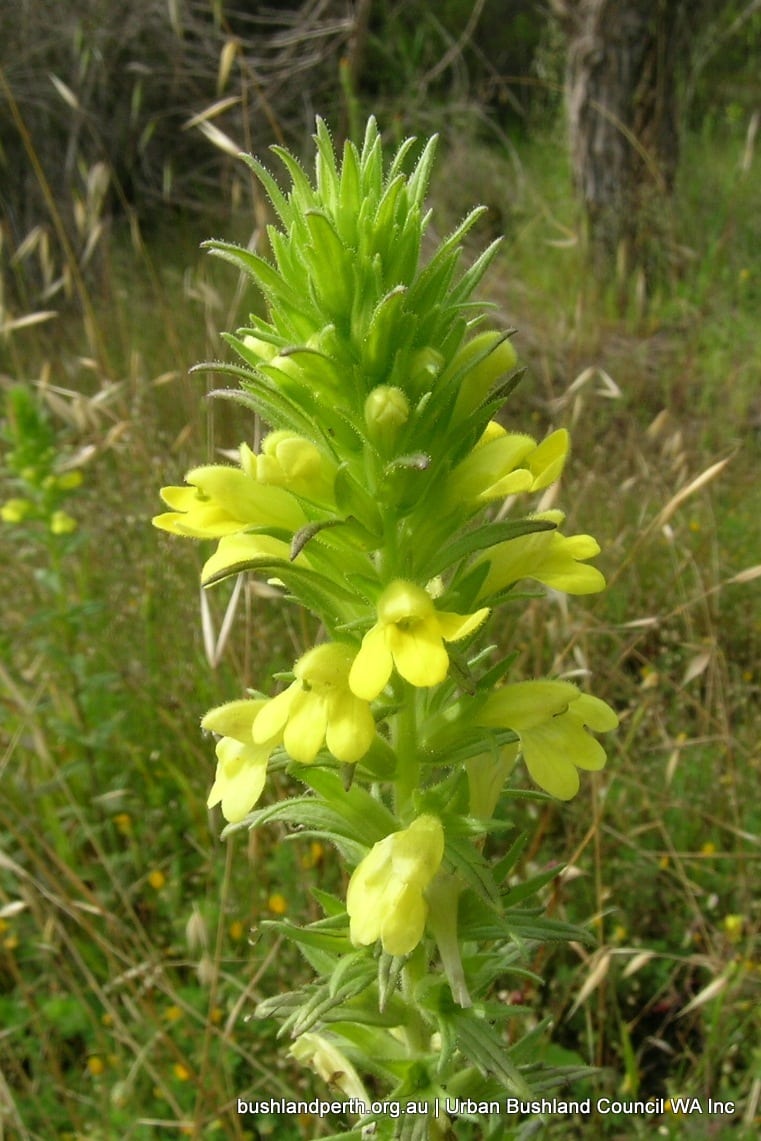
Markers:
(485, 536)
(474, 870)
(274, 193)
(480, 1043)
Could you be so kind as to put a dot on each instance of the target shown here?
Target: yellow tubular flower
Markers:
(505, 463)
(319, 708)
(236, 550)
(330, 1063)
(550, 718)
(385, 897)
(221, 500)
(409, 634)
(241, 764)
(546, 556)
(289, 461)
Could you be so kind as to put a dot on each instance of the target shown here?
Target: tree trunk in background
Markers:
(622, 119)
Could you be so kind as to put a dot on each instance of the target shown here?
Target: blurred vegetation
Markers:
(131, 947)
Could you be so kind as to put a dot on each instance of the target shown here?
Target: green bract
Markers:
(370, 504)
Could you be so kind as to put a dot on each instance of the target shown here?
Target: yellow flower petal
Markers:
(240, 778)
(419, 653)
(550, 718)
(546, 556)
(351, 728)
(272, 718)
(409, 634)
(238, 550)
(547, 460)
(307, 724)
(234, 719)
(372, 666)
(319, 708)
(453, 627)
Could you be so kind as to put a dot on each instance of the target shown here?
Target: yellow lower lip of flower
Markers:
(550, 718)
(319, 708)
(410, 634)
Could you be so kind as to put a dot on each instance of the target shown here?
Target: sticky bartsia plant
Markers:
(371, 504)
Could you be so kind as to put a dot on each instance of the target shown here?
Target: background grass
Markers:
(132, 942)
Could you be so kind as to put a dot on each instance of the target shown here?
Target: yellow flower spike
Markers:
(319, 708)
(222, 500)
(241, 764)
(409, 635)
(550, 718)
(385, 898)
(546, 556)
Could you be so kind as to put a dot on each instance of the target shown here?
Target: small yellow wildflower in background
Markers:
(95, 1065)
(173, 1013)
(15, 510)
(277, 903)
(708, 849)
(69, 480)
(123, 822)
(61, 523)
(733, 927)
(314, 857)
(181, 1072)
(156, 879)
(236, 930)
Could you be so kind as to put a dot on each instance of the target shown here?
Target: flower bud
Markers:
(386, 411)
(497, 357)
